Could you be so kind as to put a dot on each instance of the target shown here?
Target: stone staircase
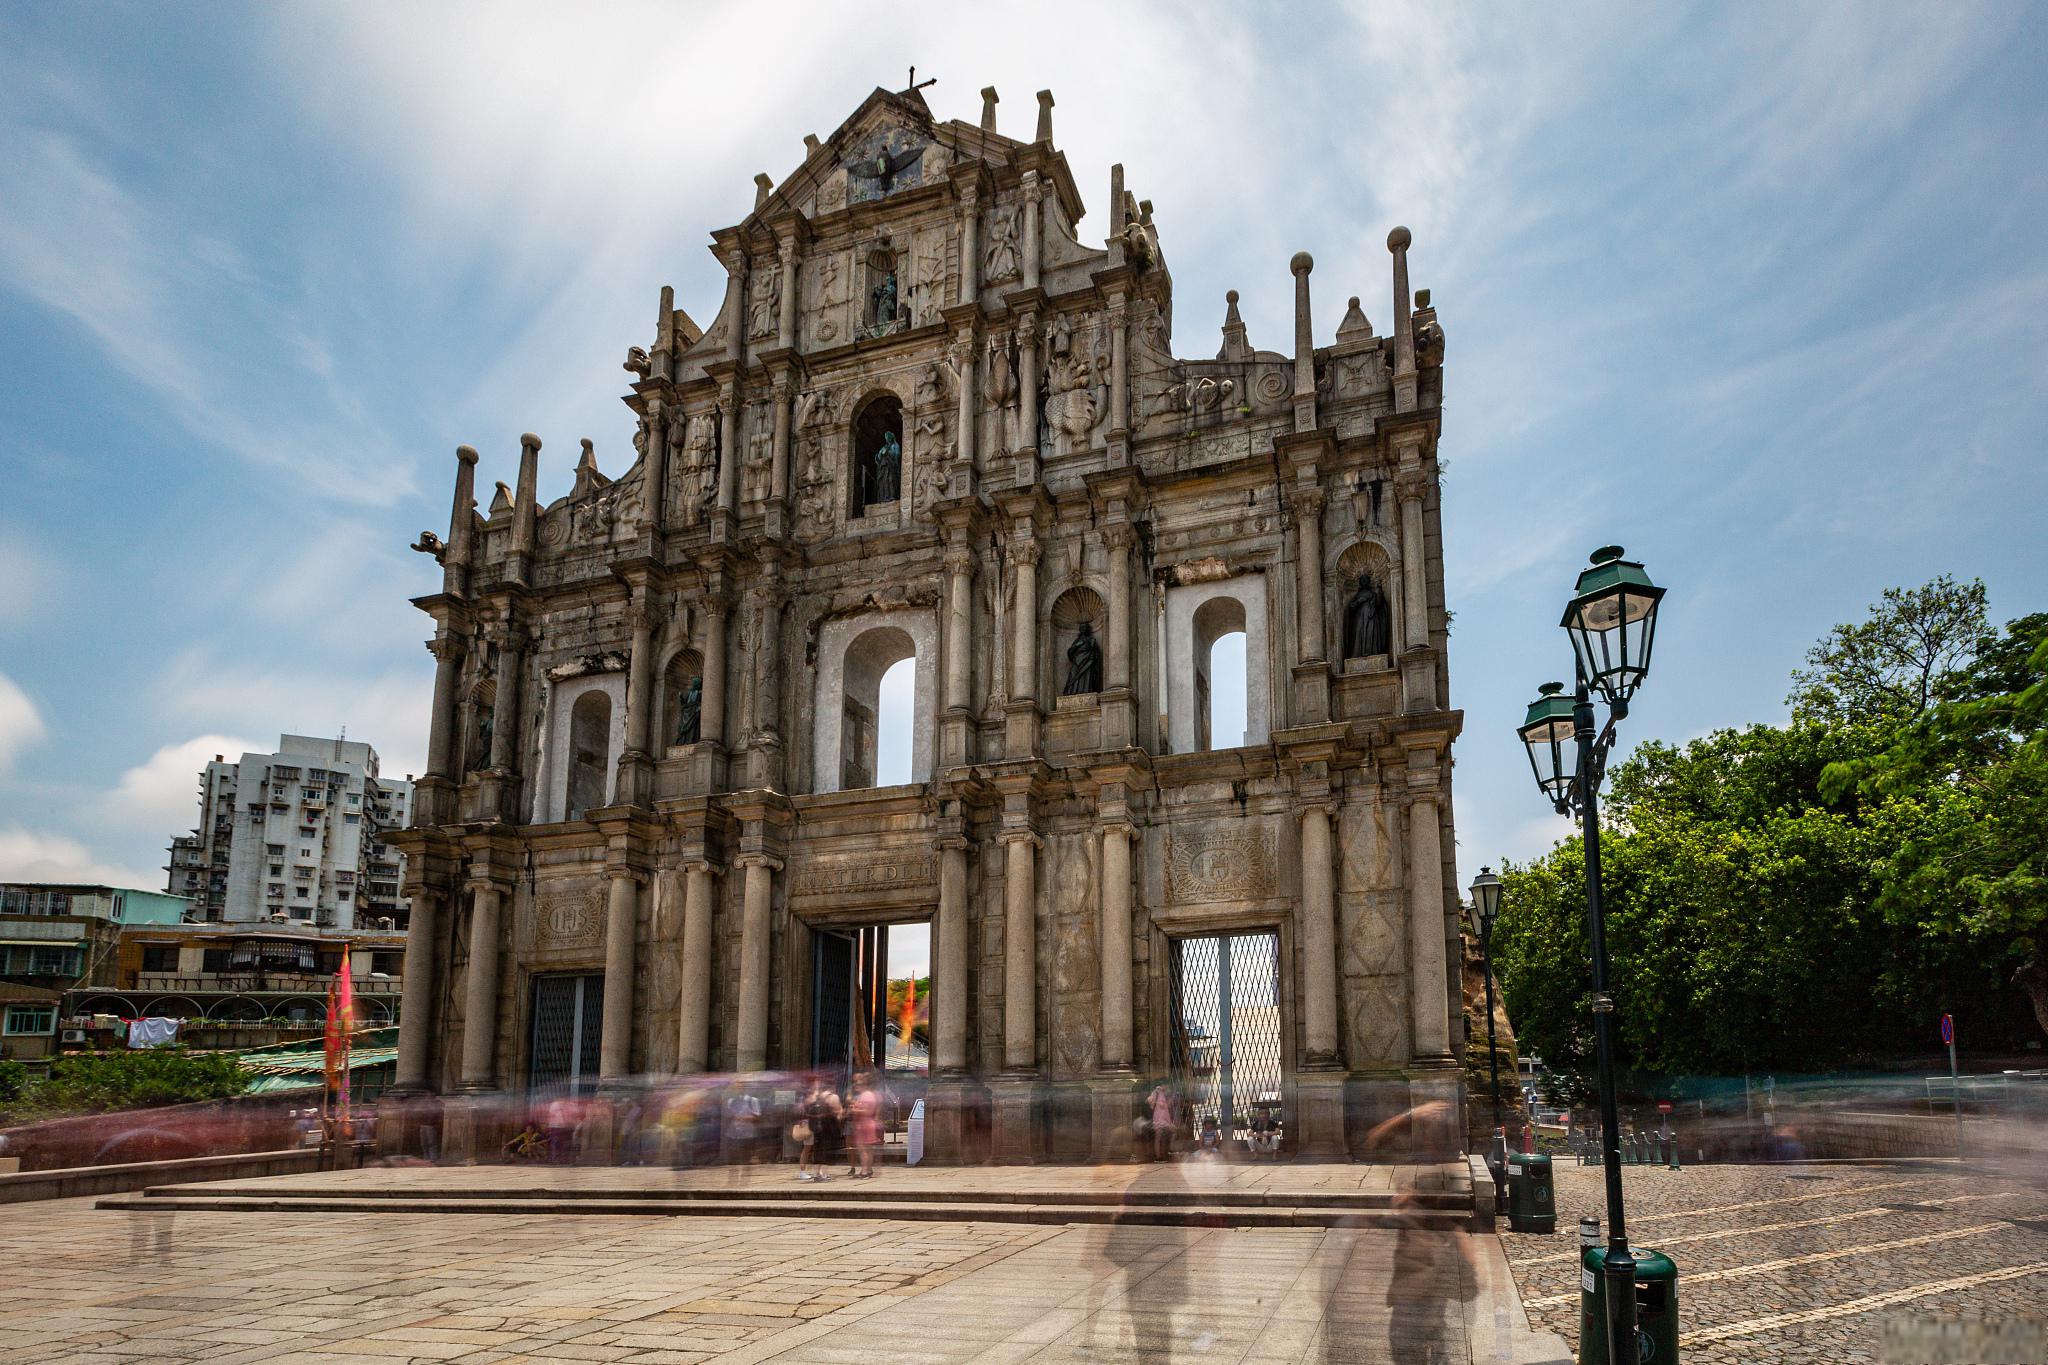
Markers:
(975, 1197)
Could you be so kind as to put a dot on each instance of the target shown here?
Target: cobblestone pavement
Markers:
(335, 1288)
(1819, 1263)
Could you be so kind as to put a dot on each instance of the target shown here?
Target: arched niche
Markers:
(682, 696)
(875, 455)
(1197, 616)
(854, 654)
(1370, 560)
(476, 726)
(603, 700)
(1076, 611)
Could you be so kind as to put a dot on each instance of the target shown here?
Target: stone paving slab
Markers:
(1822, 1262)
(337, 1287)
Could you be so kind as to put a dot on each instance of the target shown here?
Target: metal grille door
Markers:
(568, 1024)
(1226, 1028)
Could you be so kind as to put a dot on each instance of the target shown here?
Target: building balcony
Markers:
(259, 983)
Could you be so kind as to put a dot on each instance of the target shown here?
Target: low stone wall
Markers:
(69, 1182)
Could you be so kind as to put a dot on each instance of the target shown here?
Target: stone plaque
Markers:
(570, 919)
(1221, 865)
(865, 877)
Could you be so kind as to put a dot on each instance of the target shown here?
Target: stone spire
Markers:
(1355, 327)
(1235, 346)
(525, 507)
(763, 187)
(1404, 325)
(1304, 346)
(1044, 135)
(988, 109)
(455, 559)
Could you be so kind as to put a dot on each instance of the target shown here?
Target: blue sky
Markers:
(1755, 291)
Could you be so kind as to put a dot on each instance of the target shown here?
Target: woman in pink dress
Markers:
(866, 1125)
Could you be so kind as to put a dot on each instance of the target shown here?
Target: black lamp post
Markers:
(1486, 905)
(1612, 621)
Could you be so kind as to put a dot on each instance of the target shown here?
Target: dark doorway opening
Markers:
(871, 999)
(568, 1026)
(1225, 1003)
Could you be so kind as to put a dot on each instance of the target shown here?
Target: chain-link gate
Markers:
(1225, 999)
(568, 1022)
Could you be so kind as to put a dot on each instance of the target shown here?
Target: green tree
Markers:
(1886, 667)
(1964, 786)
(95, 1082)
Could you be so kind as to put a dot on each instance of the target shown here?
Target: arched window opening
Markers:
(877, 454)
(876, 725)
(1222, 713)
(682, 699)
(590, 728)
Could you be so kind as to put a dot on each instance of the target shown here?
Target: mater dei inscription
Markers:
(903, 606)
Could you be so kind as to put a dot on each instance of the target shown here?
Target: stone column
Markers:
(1318, 937)
(505, 699)
(447, 647)
(1116, 671)
(640, 679)
(951, 1040)
(480, 991)
(785, 331)
(778, 469)
(1116, 945)
(1034, 209)
(621, 930)
(1020, 932)
(970, 245)
(655, 474)
(959, 622)
(416, 1004)
(1426, 930)
(1024, 620)
(1312, 646)
(735, 303)
(1414, 565)
(1119, 368)
(711, 718)
(693, 1049)
(966, 418)
(755, 961)
(1027, 387)
(729, 448)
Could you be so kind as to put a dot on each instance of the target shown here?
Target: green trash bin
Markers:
(1656, 1307)
(1532, 1201)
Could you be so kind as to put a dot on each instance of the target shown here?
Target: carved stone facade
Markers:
(930, 421)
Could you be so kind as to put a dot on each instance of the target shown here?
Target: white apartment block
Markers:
(296, 836)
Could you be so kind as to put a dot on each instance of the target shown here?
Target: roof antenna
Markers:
(914, 87)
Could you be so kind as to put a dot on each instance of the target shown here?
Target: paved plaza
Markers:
(1823, 1262)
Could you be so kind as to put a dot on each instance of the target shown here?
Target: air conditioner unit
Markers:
(74, 1035)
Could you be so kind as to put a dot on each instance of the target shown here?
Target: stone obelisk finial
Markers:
(1304, 346)
(525, 500)
(988, 109)
(455, 558)
(1044, 134)
(1404, 324)
(763, 187)
(664, 335)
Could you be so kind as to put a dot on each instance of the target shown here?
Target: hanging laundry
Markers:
(155, 1031)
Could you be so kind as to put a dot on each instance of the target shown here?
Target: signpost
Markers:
(1955, 1081)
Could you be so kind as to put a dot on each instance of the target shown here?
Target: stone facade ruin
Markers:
(933, 419)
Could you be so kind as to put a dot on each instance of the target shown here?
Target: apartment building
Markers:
(296, 836)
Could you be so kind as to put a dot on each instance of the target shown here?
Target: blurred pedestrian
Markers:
(867, 1127)
(1160, 1102)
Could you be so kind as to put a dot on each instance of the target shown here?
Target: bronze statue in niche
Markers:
(1368, 621)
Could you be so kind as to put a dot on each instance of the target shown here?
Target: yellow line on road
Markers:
(1811, 1258)
(1932, 1206)
(1868, 1302)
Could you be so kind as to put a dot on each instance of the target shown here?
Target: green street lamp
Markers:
(1485, 907)
(1612, 622)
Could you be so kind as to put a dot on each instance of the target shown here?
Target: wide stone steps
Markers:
(1205, 1208)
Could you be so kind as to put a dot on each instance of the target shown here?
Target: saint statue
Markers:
(887, 471)
(1368, 622)
(690, 712)
(1084, 664)
(884, 300)
(484, 729)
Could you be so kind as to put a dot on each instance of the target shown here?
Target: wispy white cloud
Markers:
(161, 794)
(388, 708)
(21, 724)
(29, 855)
